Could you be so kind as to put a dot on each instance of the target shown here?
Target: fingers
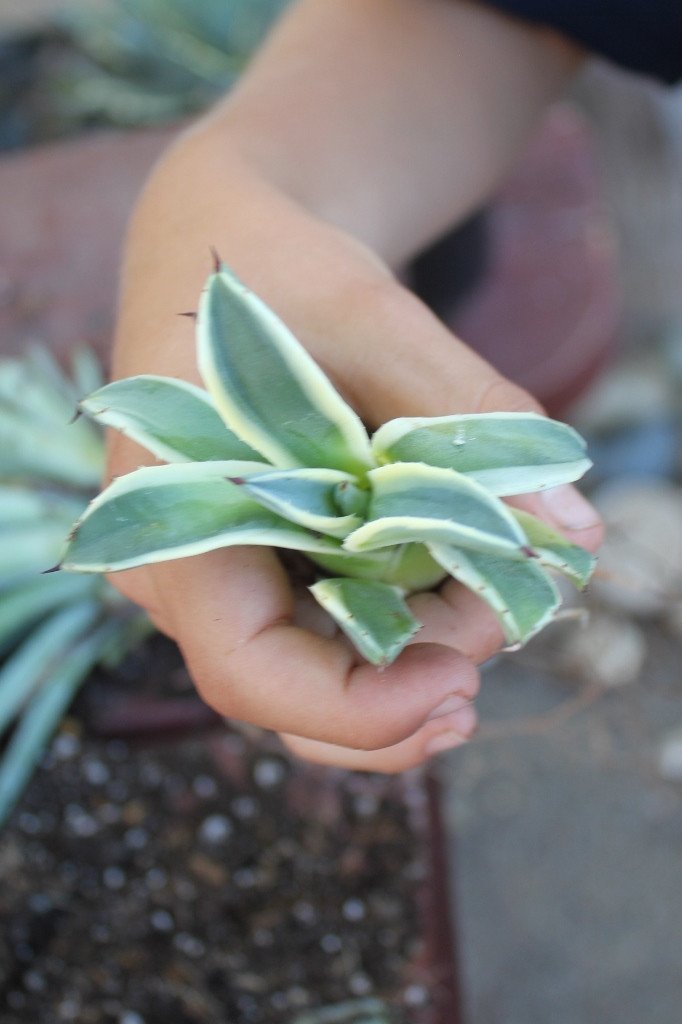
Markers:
(231, 613)
(409, 364)
(457, 618)
(568, 511)
(393, 357)
(443, 733)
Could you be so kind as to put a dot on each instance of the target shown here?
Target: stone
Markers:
(640, 563)
(608, 650)
(670, 756)
(636, 389)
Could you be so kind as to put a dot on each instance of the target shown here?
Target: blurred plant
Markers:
(124, 63)
(150, 61)
(355, 1011)
(53, 628)
(270, 454)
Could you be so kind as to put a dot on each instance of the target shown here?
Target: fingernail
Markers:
(465, 721)
(568, 508)
(444, 741)
(451, 703)
(460, 726)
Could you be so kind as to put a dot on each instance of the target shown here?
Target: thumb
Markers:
(400, 360)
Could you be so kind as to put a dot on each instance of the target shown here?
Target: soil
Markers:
(203, 876)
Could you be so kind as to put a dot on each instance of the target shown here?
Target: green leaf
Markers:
(408, 566)
(555, 551)
(506, 452)
(32, 448)
(354, 1011)
(44, 713)
(30, 547)
(414, 502)
(35, 385)
(25, 604)
(164, 512)
(521, 595)
(175, 420)
(304, 496)
(40, 654)
(22, 504)
(373, 615)
(87, 372)
(268, 389)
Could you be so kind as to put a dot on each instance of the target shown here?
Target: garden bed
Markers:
(162, 867)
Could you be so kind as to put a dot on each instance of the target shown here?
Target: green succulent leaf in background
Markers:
(355, 1011)
(270, 454)
(142, 62)
(53, 628)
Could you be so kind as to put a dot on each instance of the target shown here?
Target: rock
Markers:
(607, 650)
(640, 564)
(673, 619)
(670, 756)
(646, 449)
(635, 390)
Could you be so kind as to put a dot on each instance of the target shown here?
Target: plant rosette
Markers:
(270, 454)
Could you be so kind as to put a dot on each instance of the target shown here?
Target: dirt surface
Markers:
(203, 877)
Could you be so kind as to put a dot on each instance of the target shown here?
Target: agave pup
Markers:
(270, 454)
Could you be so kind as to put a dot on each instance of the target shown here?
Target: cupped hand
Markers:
(251, 647)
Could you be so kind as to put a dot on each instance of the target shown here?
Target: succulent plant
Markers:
(53, 629)
(354, 1011)
(135, 62)
(270, 454)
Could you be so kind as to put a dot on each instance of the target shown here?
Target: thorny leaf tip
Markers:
(217, 262)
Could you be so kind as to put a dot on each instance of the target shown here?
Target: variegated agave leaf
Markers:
(36, 403)
(53, 628)
(305, 496)
(271, 454)
(521, 594)
(164, 512)
(414, 502)
(554, 551)
(506, 452)
(173, 419)
(268, 389)
(374, 616)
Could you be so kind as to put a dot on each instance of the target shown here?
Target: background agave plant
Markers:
(124, 63)
(271, 454)
(54, 628)
(149, 61)
(355, 1011)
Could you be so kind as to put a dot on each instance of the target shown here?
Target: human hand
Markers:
(256, 653)
(382, 122)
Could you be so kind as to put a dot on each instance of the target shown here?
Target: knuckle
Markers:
(378, 735)
(501, 395)
(215, 686)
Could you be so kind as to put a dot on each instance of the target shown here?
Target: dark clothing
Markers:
(642, 35)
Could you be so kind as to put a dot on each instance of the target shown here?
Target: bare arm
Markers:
(393, 118)
(363, 128)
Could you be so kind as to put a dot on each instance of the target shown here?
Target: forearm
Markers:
(381, 121)
(392, 118)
